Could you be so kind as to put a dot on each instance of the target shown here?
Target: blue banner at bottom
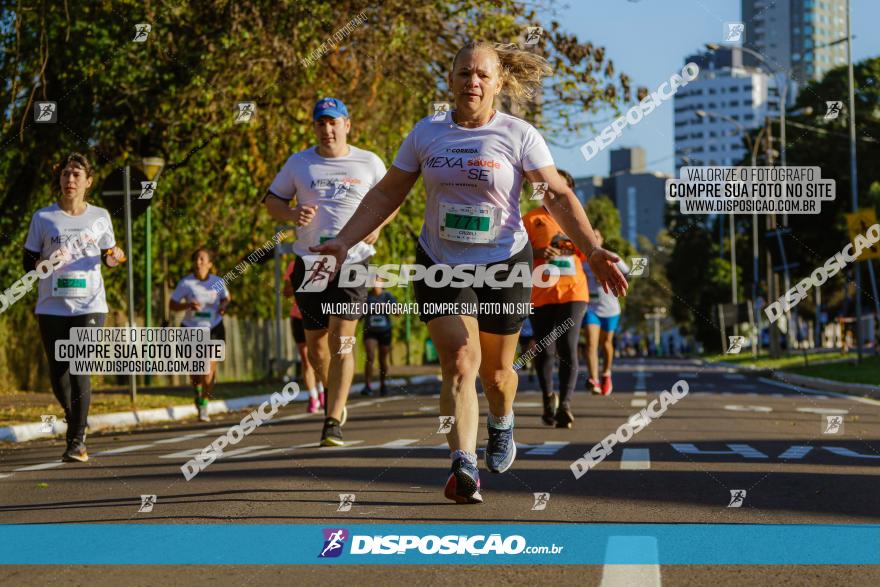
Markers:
(418, 544)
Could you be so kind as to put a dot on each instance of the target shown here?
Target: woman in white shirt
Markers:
(204, 297)
(75, 237)
(473, 161)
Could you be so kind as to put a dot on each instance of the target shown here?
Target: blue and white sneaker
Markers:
(463, 484)
(500, 450)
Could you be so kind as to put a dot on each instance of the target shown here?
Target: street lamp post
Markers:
(152, 168)
(854, 179)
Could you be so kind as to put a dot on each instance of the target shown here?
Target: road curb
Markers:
(871, 391)
(133, 418)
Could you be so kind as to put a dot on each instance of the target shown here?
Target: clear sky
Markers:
(649, 40)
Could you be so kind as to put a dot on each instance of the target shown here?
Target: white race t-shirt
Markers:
(604, 304)
(209, 293)
(336, 186)
(473, 178)
(76, 287)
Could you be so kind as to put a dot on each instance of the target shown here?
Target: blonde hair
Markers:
(520, 71)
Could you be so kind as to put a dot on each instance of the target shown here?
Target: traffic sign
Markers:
(858, 223)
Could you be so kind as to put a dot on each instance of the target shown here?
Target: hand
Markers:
(603, 264)
(222, 309)
(194, 306)
(372, 237)
(551, 252)
(303, 215)
(116, 257)
(335, 248)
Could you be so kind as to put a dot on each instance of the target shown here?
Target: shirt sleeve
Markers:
(407, 157)
(535, 152)
(179, 292)
(379, 169)
(223, 292)
(107, 240)
(34, 241)
(284, 184)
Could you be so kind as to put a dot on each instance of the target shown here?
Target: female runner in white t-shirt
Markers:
(473, 161)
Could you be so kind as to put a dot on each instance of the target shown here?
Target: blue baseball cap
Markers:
(329, 107)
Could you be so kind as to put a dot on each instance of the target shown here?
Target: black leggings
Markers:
(74, 392)
(557, 327)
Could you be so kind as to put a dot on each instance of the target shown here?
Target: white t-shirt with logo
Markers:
(76, 287)
(473, 179)
(336, 186)
(209, 293)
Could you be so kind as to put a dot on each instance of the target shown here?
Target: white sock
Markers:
(501, 422)
(468, 457)
(320, 387)
(313, 393)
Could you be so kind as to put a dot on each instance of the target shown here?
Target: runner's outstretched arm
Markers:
(377, 207)
(564, 207)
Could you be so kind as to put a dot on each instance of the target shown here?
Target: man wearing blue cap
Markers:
(328, 182)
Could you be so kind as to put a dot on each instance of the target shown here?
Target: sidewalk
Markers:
(22, 411)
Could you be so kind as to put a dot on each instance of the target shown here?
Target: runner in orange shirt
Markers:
(558, 311)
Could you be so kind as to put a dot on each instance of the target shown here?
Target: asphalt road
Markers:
(733, 432)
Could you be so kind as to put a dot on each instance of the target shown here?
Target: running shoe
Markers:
(76, 452)
(463, 484)
(594, 386)
(551, 402)
(500, 450)
(332, 433)
(366, 391)
(313, 407)
(564, 418)
(383, 391)
(203, 410)
(606, 384)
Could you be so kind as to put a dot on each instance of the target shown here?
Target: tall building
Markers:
(713, 111)
(793, 35)
(638, 194)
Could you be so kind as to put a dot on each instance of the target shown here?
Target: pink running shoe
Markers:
(606, 385)
(313, 407)
(594, 386)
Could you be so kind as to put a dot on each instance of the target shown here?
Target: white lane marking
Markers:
(399, 443)
(349, 445)
(263, 453)
(240, 451)
(638, 403)
(795, 452)
(635, 459)
(622, 547)
(733, 376)
(527, 405)
(845, 452)
(123, 449)
(40, 467)
(738, 408)
(4, 475)
(829, 411)
(177, 439)
(864, 400)
(429, 408)
(741, 449)
(640, 378)
(184, 454)
(548, 448)
(640, 393)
